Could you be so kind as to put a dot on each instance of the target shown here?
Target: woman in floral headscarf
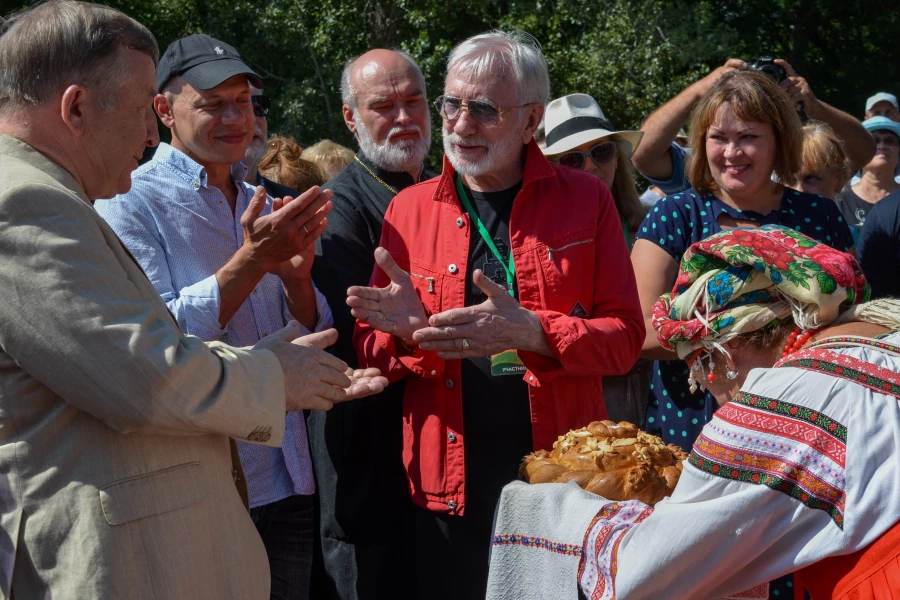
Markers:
(798, 470)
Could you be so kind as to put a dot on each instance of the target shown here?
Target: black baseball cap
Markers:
(204, 62)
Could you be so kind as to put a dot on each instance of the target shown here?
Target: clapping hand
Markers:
(292, 227)
(496, 325)
(395, 309)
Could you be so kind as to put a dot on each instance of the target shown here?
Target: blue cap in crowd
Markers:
(882, 123)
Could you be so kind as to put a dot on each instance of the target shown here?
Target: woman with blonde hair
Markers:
(331, 157)
(743, 129)
(825, 168)
(579, 136)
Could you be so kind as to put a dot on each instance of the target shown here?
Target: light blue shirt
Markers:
(182, 230)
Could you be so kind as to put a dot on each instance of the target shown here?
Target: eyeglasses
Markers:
(602, 154)
(482, 111)
(261, 105)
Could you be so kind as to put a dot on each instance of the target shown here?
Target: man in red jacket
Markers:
(502, 293)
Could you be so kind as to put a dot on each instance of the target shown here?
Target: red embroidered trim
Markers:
(774, 472)
(840, 365)
(793, 429)
(608, 511)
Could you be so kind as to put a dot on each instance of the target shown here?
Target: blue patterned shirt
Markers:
(182, 230)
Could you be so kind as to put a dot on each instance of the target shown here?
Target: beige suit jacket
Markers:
(115, 470)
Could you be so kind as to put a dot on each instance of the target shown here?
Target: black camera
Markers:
(767, 65)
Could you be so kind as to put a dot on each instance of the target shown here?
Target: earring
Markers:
(711, 376)
(731, 374)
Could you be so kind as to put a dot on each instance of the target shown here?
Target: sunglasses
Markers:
(261, 105)
(484, 113)
(602, 154)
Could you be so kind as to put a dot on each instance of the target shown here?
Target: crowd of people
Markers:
(248, 369)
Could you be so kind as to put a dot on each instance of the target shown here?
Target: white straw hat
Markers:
(577, 119)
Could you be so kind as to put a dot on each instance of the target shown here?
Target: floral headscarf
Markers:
(741, 280)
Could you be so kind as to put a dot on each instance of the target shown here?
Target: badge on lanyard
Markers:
(507, 363)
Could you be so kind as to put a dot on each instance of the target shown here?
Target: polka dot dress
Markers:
(676, 222)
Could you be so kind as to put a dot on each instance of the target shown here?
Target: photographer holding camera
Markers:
(662, 161)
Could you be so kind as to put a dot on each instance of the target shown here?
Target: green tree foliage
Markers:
(632, 55)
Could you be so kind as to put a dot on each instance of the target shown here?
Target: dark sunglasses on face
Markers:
(261, 105)
(602, 154)
(482, 111)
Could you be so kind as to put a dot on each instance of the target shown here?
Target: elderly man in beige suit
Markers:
(116, 477)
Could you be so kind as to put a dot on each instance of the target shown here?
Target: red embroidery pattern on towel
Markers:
(597, 575)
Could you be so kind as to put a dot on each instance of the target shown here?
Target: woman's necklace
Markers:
(374, 176)
(797, 340)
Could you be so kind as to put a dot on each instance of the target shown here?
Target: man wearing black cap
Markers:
(232, 263)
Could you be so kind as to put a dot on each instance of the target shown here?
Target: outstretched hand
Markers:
(496, 325)
(395, 309)
(314, 379)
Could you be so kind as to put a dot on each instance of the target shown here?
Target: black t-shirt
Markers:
(853, 208)
(879, 247)
(492, 404)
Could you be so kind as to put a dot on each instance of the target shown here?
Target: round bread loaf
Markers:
(615, 460)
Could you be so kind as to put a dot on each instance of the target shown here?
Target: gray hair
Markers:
(348, 92)
(61, 42)
(494, 53)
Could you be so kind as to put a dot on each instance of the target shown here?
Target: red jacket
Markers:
(569, 249)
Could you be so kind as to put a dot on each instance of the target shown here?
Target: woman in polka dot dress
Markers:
(743, 130)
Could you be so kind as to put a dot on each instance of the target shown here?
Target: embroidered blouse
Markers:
(801, 466)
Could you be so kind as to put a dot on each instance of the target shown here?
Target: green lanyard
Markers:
(511, 269)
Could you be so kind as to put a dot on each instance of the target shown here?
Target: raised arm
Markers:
(653, 157)
(858, 142)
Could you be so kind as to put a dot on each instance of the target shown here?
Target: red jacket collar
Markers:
(536, 167)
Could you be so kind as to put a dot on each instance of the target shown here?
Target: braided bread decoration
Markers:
(615, 460)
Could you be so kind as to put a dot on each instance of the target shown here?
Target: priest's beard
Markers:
(400, 156)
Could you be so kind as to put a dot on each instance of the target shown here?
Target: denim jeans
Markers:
(286, 528)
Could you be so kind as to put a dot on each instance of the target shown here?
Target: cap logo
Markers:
(219, 50)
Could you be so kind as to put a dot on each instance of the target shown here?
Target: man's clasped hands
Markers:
(498, 324)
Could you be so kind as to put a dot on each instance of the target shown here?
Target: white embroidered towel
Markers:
(537, 542)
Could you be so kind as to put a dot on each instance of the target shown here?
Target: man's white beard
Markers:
(402, 156)
(499, 153)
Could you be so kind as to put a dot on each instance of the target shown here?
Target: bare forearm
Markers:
(652, 155)
(651, 350)
(858, 142)
(300, 296)
(237, 279)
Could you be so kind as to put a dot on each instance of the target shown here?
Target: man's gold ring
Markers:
(465, 344)
(306, 230)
